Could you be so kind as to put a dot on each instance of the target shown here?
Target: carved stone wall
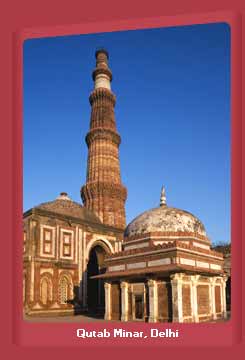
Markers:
(55, 256)
(163, 301)
(186, 299)
(203, 299)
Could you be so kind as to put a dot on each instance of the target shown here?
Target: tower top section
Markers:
(101, 50)
(102, 74)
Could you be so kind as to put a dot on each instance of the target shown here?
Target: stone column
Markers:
(153, 300)
(176, 284)
(212, 298)
(107, 287)
(223, 296)
(194, 304)
(124, 301)
(32, 253)
(80, 264)
(145, 304)
(32, 277)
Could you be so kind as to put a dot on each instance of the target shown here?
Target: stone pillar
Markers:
(32, 253)
(145, 304)
(194, 304)
(176, 284)
(124, 301)
(153, 300)
(212, 298)
(32, 277)
(80, 264)
(107, 287)
(223, 296)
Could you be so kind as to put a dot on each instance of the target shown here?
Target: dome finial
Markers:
(63, 196)
(163, 197)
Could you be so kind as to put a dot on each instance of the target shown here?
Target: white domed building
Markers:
(166, 271)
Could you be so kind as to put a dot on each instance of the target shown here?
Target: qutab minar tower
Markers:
(103, 192)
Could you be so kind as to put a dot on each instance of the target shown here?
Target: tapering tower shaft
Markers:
(103, 192)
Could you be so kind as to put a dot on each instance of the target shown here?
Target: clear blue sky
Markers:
(172, 111)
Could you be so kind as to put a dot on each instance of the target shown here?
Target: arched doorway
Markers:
(95, 287)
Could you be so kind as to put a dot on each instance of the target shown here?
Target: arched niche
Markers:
(46, 289)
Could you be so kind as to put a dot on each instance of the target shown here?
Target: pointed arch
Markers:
(105, 244)
(97, 250)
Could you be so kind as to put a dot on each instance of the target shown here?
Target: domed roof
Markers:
(65, 206)
(165, 219)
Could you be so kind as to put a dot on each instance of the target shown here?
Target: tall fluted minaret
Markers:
(103, 192)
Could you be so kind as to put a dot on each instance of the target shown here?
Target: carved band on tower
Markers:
(103, 192)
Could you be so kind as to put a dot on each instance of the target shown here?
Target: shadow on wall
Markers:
(94, 306)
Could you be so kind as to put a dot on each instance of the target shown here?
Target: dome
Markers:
(65, 206)
(165, 219)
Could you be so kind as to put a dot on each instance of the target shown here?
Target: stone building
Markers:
(166, 271)
(76, 258)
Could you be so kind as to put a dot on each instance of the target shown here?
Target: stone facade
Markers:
(177, 298)
(57, 247)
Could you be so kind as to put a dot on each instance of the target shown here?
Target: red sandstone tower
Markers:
(103, 192)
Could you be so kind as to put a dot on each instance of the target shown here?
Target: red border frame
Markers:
(227, 335)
